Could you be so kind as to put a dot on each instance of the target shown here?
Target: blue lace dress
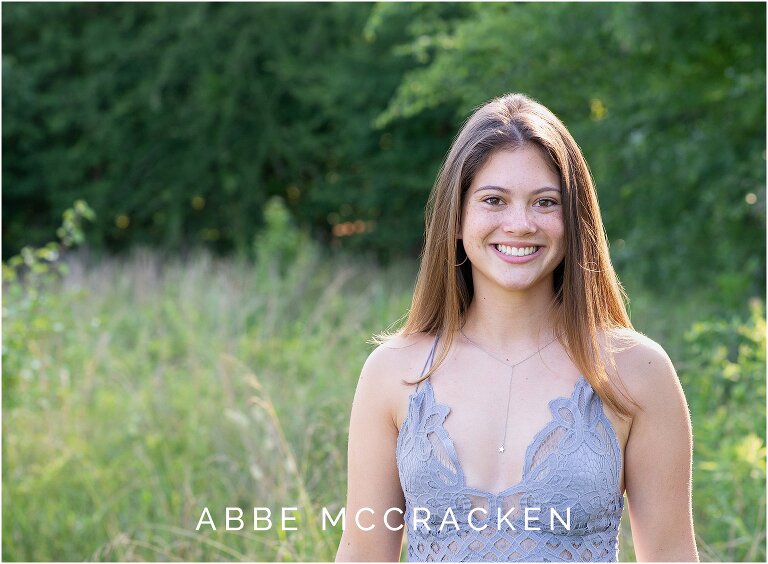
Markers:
(570, 486)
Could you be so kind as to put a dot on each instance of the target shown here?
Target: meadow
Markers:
(139, 390)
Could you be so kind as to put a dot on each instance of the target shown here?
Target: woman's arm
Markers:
(658, 459)
(373, 480)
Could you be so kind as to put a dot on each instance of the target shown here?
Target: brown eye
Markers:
(492, 200)
(548, 201)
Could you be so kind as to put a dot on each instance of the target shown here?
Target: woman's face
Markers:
(513, 207)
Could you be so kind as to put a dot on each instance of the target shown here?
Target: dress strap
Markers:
(430, 358)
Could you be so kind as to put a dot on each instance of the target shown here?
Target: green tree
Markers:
(668, 103)
(178, 122)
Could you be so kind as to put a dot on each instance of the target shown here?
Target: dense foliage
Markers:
(177, 122)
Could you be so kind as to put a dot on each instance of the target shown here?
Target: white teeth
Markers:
(515, 251)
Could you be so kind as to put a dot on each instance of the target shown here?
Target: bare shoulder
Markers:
(388, 368)
(398, 358)
(642, 366)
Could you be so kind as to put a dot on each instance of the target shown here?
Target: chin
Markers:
(523, 285)
(517, 286)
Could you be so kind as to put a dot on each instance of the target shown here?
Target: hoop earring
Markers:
(462, 262)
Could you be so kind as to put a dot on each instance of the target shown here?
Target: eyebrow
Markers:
(507, 191)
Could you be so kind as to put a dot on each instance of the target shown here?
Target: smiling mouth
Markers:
(516, 251)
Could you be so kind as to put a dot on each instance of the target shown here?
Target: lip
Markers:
(518, 244)
(517, 260)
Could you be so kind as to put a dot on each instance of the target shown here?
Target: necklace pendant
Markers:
(501, 448)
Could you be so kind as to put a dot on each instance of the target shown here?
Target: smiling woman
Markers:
(530, 208)
(542, 398)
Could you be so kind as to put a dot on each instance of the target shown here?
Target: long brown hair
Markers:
(589, 298)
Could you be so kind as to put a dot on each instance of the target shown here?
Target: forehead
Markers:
(526, 167)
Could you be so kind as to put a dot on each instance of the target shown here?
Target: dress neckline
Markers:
(553, 405)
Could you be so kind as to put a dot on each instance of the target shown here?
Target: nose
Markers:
(518, 219)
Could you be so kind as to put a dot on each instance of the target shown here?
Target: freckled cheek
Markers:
(552, 223)
(476, 230)
(554, 229)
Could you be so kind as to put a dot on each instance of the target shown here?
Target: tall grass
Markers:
(164, 387)
(142, 390)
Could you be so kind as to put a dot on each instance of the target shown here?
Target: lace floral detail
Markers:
(573, 463)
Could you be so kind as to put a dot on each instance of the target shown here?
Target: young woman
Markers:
(514, 409)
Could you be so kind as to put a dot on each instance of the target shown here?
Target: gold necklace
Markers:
(509, 393)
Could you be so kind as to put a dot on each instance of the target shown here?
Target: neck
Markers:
(508, 321)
